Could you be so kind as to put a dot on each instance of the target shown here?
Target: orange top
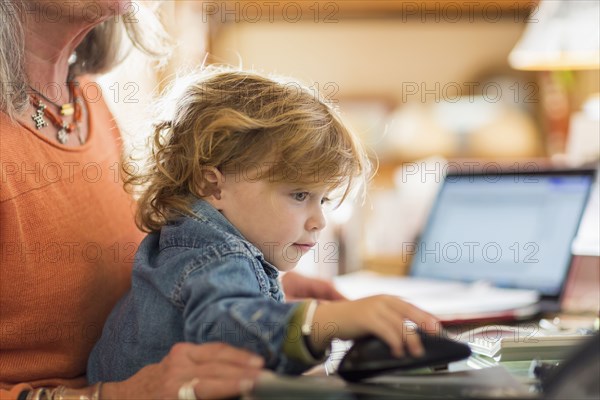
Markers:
(67, 241)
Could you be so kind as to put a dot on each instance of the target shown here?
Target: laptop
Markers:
(493, 242)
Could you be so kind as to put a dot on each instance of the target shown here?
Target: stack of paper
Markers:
(555, 347)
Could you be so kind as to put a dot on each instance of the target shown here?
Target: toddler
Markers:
(233, 193)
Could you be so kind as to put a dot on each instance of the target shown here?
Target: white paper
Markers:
(441, 298)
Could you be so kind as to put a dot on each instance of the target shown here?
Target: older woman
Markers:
(64, 260)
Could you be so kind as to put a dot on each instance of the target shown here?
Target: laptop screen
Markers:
(511, 230)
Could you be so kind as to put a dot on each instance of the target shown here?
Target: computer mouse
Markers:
(371, 356)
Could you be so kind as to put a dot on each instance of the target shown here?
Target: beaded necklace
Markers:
(72, 108)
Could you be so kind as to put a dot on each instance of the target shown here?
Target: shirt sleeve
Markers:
(295, 345)
(223, 302)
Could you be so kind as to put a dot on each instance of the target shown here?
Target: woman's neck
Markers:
(47, 51)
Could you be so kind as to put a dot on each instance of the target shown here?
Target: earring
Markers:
(72, 58)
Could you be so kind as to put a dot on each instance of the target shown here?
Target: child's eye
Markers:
(300, 196)
(325, 200)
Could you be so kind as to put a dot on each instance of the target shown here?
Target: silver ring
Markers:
(186, 391)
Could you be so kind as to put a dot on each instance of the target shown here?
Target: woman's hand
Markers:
(297, 286)
(382, 316)
(222, 371)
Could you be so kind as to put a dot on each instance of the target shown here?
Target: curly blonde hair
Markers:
(246, 124)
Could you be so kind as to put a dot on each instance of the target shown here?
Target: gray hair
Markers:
(100, 51)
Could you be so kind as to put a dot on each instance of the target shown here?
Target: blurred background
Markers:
(427, 85)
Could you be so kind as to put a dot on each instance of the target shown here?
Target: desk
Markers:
(506, 380)
(490, 382)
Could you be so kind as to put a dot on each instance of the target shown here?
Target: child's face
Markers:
(283, 220)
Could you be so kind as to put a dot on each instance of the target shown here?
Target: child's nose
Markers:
(317, 220)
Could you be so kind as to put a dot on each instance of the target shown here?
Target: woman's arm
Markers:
(221, 371)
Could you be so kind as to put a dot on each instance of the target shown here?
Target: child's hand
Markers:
(382, 316)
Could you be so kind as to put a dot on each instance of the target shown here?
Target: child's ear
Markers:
(210, 184)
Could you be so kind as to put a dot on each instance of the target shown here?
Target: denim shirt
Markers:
(197, 280)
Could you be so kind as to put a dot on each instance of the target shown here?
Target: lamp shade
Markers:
(560, 35)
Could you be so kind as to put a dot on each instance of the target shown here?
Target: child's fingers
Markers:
(382, 322)
(423, 319)
(406, 336)
(386, 331)
(395, 312)
(413, 342)
(407, 333)
(400, 338)
(394, 322)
